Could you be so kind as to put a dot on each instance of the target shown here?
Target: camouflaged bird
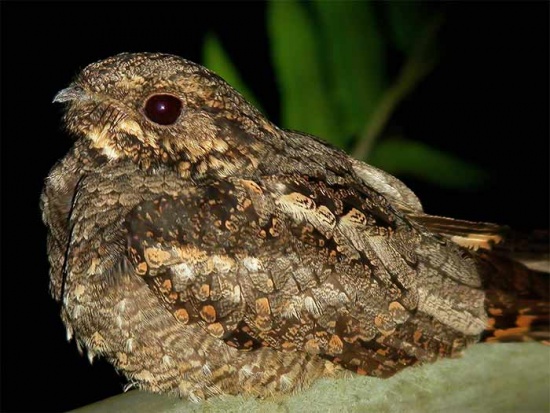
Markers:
(203, 250)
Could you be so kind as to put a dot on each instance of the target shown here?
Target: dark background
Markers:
(486, 102)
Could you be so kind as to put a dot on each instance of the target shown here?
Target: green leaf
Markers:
(418, 65)
(305, 101)
(399, 156)
(354, 54)
(407, 21)
(216, 59)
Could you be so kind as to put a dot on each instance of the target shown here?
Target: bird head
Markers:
(154, 108)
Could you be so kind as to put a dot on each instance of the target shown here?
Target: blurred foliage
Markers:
(219, 61)
(331, 63)
(403, 156)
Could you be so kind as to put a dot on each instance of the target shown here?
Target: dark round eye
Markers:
(163, 109)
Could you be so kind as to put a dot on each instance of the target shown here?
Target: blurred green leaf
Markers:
(407, 21)
(305, 101)
(354, 55)
(399, 156)
(217, 60)
(419, 64)
(332, 80)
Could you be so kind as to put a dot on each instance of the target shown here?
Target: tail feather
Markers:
(517, 300)
(467, 234)
(531, 248)
(515, 267)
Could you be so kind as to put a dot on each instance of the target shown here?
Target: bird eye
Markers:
(163, 109)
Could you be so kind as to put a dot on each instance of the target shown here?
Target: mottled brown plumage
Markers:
(210, 252)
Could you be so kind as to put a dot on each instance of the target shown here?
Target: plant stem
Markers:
(414, 70)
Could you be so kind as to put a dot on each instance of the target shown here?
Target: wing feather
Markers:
(289, 262)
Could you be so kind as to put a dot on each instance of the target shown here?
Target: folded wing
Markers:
(292, 263)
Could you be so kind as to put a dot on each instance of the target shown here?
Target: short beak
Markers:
(72, 92)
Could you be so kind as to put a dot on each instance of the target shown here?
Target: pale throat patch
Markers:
(101, 137)
(100, 140)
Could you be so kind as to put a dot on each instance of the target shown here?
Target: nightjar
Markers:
(202, 250)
